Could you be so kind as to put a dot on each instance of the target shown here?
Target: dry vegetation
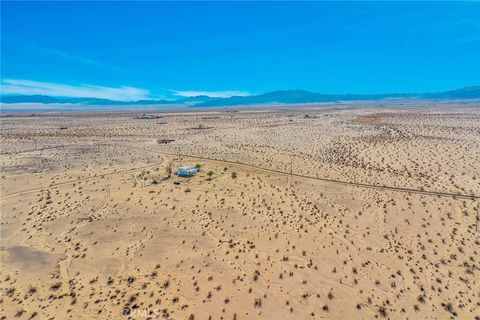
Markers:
(93, 227)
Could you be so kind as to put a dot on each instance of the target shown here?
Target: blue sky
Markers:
(130, 51)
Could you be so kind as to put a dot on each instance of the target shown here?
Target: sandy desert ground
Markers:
(310, 213)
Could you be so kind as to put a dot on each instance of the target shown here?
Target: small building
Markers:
(186, 171)
(165, 141)
(146, 117)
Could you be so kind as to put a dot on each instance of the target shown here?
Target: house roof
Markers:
(186, 168)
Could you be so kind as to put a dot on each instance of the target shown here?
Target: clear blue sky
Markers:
(130, 50)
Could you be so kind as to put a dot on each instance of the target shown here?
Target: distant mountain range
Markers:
(280, 97)
(70, 100)
(302, 96)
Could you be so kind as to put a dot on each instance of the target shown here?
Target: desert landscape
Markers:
(316, 212)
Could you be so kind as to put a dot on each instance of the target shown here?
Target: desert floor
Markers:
(310, 213)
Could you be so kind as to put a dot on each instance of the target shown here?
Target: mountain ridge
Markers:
(303, 96)
(279, 96)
